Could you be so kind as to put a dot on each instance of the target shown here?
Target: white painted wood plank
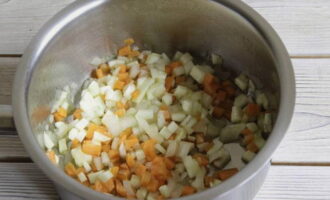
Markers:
(308, 140)
(25, 181)
(20, 181)
(20, 20)
(296, 182)
(304, 25)
(11, 148)
(7, 71)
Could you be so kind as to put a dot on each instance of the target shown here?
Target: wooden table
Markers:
(300, 167)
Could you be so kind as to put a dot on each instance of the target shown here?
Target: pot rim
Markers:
(78, 8)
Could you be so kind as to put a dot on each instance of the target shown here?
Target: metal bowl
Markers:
(60, 53)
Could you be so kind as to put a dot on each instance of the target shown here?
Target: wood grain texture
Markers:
(11, 148)
(7, 71)
(308, 140)
(25, 181)
(20, 20)
(20, 181)
(303, 24)
(294, 182)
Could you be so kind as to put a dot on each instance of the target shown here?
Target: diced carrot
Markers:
(123, 69)
(170, 67)
(70, 169)
(188, 190)
(120, 112)
(93, 167)
(246, 132)
(221, 95)
(168, 70)
(169, 163)
(134, 53)
(120, 105)
(124, 51)
(226, 83)
(106, 148)
(114, 155)
(227, 104)
(153, 185)
(208, 79)
(120, 188)
(75, 143)
(99, 73)
(208, 180)
(99, 187)
(129, 41)
(105, 68)
(180, 79)
(77, 114)
(211, 89)
(172, 137)
(123, 76)
(119, 85)
(80, 170)
(140, 169)
(225, 174)
(96, 128)
(131, 142)
(149, 149)
(252, 110)
(123, 174)
(228, 114)
(135, 94)
(125, 134)
(199, 137)
(252, 147)
(167, 115)
(130, 161)
(51, 155)
(114, 170)
(218, 112)
(176, 159)
(169, 83)
(210, 84)
(92, 149)
(145, 178)
(102, 96)
(231, 91)
(159, 169)
(209, 146)
(201, 159)
(109, 185)
(60, 114)
(248, 139)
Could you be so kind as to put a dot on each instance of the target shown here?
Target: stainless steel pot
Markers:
(60, 53)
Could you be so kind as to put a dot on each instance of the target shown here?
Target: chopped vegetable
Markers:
(150, 127)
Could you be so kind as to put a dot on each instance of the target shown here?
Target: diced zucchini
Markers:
(252, 126)
(248, 156)
(236, 114)
(223, 160)
(231, 132)
(262, 100)
(242, 82)
(216, 59)
(241, 100)
(197, 74)
(268, 123)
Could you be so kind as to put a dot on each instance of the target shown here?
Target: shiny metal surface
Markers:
(60, 53)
